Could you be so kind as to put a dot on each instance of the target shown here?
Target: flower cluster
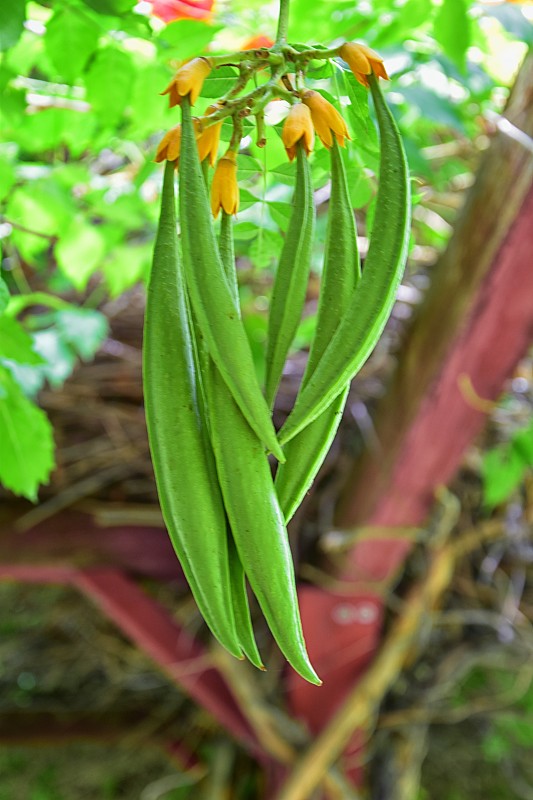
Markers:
(310, 112)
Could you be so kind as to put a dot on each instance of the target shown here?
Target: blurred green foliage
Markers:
(80, 118)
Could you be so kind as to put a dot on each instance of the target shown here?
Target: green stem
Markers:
(283, 23)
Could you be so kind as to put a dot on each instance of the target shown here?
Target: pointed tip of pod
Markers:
(310, 676)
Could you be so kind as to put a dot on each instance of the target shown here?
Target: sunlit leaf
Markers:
(452, 30)
(109, 84)
(12, 16)
(27, 442)
(70, 38)
(15, 343)
(80, 252)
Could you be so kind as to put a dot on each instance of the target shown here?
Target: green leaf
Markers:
(522, 443)
(265, 248)
(12, 16)
(502, 470)
(111, 7)
(452, 31)
(280, 213)
(126, 266)
(15, 343)
(219, 81)
(363, 128)
(109, 83)
(7, 178)
(247, 167)
(4, 296)
(83, 329)
(244, 231)
(80, 252)
(149, 112)
(187, 37)
(285, 172)
(70, 39)
(27, 442)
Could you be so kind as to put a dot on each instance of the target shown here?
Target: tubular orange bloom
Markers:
(189, 79)
(362, 60)
(224, 188)
(326, 119)
(168, 148)
(209, 138)
(298, 127)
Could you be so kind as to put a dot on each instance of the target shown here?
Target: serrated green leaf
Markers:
(27, 444)
(452, 31)
(83, 329)
(15, 343)
(109, 84)
(70, 38)
(4, 296)
(187, 37)
(12, 16)
(80, 252)
(219, 81)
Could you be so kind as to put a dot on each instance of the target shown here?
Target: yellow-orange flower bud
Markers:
(298, 127)
(326, 119)
(362, 60)
(168, 148)
(189, 79)
(209, 138)
(224, 188)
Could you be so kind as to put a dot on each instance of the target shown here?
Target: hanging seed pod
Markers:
(340, 275)
(177, 442)
(290, 284)
(211, 299)
(370, 307)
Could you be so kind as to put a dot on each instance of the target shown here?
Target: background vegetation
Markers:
(80, 118)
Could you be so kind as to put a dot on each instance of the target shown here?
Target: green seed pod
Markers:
(341, 272)
(257, 522)
(243, 621)
(241, 609)
(211, 298)
(371, 305)
(177, 444)
(290, 284)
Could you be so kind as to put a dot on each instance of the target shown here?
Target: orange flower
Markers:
(257, 42)
(168, 148)
(362, 61)
(209, 138)
(298, 127)
(326, 119)
(189, 79)
(224, 188)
